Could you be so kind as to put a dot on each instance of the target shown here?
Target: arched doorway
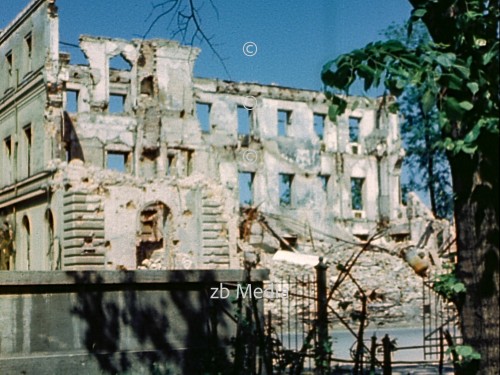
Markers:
(153, 231)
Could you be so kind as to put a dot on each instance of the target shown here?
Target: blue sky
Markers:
(294, 38)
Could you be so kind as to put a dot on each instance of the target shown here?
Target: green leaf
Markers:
(453, 108)
(419, 13)
(446, 59)
(463, 70)
(466, 105)
(428, 100)
(473, 87)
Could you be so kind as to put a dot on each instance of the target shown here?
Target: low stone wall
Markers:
(135, 322)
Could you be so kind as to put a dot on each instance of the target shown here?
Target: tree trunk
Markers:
(475, 180)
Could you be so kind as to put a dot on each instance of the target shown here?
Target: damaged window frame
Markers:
(153, 231)
(124, 166)
(28, 45)
(357, 195)
(324, 179)
(28, 149)
(246, 200)
(354, 127)
(71, 103)
(9, 65)
(284, 120)
(244, 121)
(171, 165)
(319, 125)
(203, 112)
(118, 62)
(116, 104)
(286, 189)
(7, 159)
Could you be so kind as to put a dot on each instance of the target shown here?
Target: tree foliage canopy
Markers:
(459, 77)
(456, 73)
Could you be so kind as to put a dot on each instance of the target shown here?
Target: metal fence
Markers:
(290, 324)
(440, 318)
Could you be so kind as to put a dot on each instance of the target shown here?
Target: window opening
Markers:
(116, 103)
(10, 61)
(50, 239)
(284, 120)
(27, 240)
(285, 189)
(357, 193)
(151, 233)
(319, 125)
(243, 121)
(72, 101)
(245, 184)
(117, 161)
(7, 160)
(28, 143)
(171, 162)
(28, 40)
(147, 86)
(324, 181)
(118, 62)
(188, 158)
(203, 112)
(354, 129)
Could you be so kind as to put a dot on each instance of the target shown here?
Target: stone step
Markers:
(79, 242)
(84, 251)
(215, 243)
(209, 235)
(82, 208)
(84, 267)
(82, 216)
(210, 203)
(216, 252)
(80, 198)
(82, 233)
(90, 225)
(212, 219)
(212, 227)
(211, 211)
(83, 260)
(215, 260)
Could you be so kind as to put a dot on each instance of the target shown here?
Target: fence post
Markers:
(373, 354)
(322, 354)
(386, 343)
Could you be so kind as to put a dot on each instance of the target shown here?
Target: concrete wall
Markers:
(146, 322)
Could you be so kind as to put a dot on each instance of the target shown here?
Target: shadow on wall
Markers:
(73, 146)
(156, 329)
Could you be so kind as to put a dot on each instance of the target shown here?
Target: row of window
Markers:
(246, 180)
(26, 59)
(177, 160)
(24, 155)
(25, 246)
(284, 120)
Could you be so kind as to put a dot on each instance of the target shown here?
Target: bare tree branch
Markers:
(188, 21)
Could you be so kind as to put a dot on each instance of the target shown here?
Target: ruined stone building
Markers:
(148, 166)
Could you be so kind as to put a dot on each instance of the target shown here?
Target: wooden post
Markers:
(322, 354)
(373, 354)
(386, 343)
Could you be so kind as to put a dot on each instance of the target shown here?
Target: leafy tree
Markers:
(457, 72)
(425, 164)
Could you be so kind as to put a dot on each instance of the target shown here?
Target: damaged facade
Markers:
(147, 166)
